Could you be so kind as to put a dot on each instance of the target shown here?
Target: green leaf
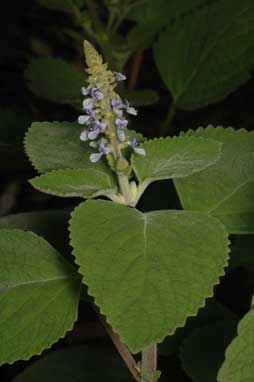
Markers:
(58, 5)
(206, 55)
(39, 294)
(202, 353)
(164, 11)
(137, 266)
(224, 190)
(174, 158)
(152, 16)
(56, 145)
(239, 365)
(86, 183)
(77, 364)
(41, 223)
(55, 80)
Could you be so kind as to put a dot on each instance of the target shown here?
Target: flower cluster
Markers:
(105, 113)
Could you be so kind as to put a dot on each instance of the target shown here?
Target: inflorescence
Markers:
(105, 113)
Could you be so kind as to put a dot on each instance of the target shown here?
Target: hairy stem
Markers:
(148, 361)
(124, 185)
(122, 350)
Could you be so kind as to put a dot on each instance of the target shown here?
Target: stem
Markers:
(122, 349)
(148, 361)
(169, 119)
(102, 36)
(124, 185)
(135, 69)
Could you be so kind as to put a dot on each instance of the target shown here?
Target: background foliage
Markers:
(189, 64)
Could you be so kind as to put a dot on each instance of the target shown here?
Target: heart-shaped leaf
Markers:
(86, 183)
(239, 362)
(147, 272)
(39, 295)
(225, 190)
(205, 55)
(175, 157)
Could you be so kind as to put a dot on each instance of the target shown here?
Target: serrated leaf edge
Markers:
(159, 339)
(149, 142)
(50, 191)
(69, 328)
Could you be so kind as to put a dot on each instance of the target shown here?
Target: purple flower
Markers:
(99, 125)
(121, 122)
(84, 135)
(117, 103)
(138, 150)
(95, 130)
(85, 90)
(130, 110)
(120, 134)
(103, 150)
(95, 157)
(83, 119)
(88, 104)
(91, 113)
(93, 133)
(119, 76)
(96, 94)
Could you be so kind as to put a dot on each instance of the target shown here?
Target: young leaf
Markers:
(202, 353)
(207, 54)
(147, 272)
(174, 158)
(86, 183)
(226, 189)
(77, 364)
(57, 145)
(55, 80)
(239, 365)
(39, 294)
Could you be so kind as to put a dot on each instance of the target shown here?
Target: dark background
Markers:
(29, 30)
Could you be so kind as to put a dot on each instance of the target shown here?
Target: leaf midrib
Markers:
(236, 189)
(35, 282)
